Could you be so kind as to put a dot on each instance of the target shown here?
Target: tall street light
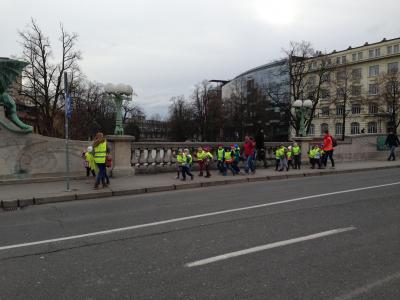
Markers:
(301, 107)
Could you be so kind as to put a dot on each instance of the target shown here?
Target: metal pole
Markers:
(66, 128)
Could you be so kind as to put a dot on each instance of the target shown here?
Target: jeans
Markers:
(325, 158)
(220, 165)
(392, 153)
(249, 164)
(101, 176)
(297, 161)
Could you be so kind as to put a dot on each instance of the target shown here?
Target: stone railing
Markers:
(158, 157)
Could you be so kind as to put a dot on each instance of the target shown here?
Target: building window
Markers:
(390, 108)
(374, 70)
(344, 60)
(371, 53)
(354, 56)
(325, 94)
(360, 55)
(250, 85)
(338, 60)
(340, 110)
(326, 77)
(396, 48)
(373, 89)
(373, 109)
(311, 130)
(314, 65)
(356, 74)
(340, 75)
(393, 68)
(372, 127)
(338, 128)
(340, 93)
(356, 90)
(389, 50)
(377, 52)
(356, 109)
(324, 127)
(325, 111)
(355, 128)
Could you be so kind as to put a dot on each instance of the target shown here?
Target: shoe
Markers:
(207, 176)
(96, 186)
(183, 179)
(177, 177)
(201, 174)
(105, 185)
(191, 177)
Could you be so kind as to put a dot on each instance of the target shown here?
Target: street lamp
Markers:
(301, 107)
(119, 93)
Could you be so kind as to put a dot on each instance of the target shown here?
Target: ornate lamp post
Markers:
(121, 147)
(119, 93)
(301, 107)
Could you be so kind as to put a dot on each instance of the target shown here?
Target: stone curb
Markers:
(23, 202)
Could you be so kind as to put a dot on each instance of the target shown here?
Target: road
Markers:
(329, 237)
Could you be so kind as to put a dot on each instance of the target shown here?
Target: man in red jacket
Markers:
(249, 152)
(328, 149)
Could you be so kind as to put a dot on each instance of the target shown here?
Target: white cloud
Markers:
(163, 47)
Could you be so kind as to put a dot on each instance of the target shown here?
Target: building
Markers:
(247, 99)
(355, 89)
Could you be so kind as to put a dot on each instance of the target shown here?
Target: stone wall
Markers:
(33, 155)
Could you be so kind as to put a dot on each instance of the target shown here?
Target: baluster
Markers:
(143, 157)
(159, 153)
(151, 157)
(134, 158)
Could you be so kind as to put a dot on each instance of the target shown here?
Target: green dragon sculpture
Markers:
(10, 69)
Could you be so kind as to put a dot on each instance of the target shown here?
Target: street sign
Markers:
(68, 107)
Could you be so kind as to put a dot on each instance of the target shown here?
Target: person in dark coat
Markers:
(392, 141)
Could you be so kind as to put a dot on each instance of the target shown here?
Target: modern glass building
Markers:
(261, 94)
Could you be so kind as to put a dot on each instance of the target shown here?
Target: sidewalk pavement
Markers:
(20, 195)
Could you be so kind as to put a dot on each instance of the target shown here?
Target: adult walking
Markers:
(249, 152)
(100, 150)
(328, 149)
(392, 141)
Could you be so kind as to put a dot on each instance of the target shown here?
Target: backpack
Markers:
(334, 141)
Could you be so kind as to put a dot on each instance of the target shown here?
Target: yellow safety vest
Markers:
(201, 155)
(220, 154)
(100, 153)
(296, 150)
(228, 155)
(181, 158)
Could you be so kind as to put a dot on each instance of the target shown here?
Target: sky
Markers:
(162, 48)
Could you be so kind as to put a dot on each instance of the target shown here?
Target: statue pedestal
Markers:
(121, 150)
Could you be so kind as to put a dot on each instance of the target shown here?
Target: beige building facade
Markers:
(354, 84)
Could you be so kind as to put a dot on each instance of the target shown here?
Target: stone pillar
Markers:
(121, 150)
(305, 144)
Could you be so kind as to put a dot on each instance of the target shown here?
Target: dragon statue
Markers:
(10, 69)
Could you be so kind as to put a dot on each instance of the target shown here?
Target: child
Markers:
(186, 164)
(201, 156)
(208, 157)
(179, 160)
(236, 158)
(220, 158)
(296, 155)
(228, 160)
(289, 156)
(277, 158)
(89, 162)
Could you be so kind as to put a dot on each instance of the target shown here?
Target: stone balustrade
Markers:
(158, 157)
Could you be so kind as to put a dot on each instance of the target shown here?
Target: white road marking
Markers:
(74, 237)
(369, 287)
(267, 246)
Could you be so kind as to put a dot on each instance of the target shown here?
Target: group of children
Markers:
(286, 157)
(228, 158)
(290, 156)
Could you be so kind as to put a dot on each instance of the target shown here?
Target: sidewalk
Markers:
(20, 195)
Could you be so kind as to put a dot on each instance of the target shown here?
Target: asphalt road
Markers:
(329, 237)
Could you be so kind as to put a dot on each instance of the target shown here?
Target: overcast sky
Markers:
(163, 47)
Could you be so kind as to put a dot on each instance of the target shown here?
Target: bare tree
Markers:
(306, 72)
(180, 119)
(389, 91)
(42, 79)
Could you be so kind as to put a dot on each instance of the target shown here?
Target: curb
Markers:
(12, 204)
